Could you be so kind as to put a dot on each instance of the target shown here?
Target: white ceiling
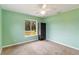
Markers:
(34, 9)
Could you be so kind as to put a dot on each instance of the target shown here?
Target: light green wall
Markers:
(64, 28)
(13, 27)
(0, 28)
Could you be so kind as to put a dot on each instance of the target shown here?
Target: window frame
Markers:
(31, 30)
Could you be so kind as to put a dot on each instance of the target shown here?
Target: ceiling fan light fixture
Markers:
(44, 6)
(43, 12)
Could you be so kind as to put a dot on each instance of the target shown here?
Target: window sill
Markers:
(29, 35)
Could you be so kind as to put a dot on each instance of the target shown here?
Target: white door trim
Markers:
(0, 50)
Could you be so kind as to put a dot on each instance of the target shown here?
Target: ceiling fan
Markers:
(43, 8)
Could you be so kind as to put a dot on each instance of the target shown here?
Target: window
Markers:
(30, 27)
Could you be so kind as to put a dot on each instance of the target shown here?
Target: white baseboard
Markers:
(64, 44)
(18, 43)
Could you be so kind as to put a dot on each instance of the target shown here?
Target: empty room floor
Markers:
(39, 48)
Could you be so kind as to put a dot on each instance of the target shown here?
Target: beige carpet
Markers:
(39, 48)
